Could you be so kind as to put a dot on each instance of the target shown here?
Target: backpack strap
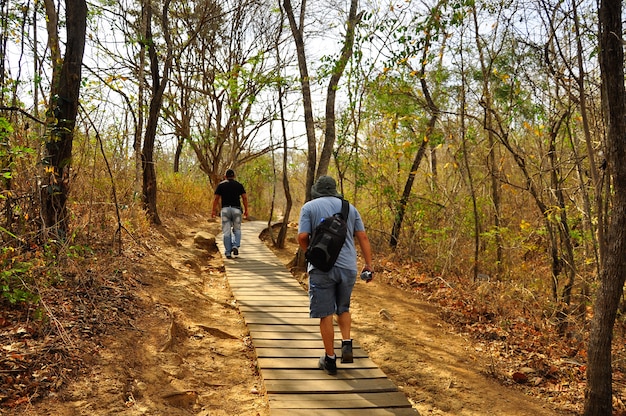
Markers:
(345, 209)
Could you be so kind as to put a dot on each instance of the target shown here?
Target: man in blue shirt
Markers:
(228, 193)
(330, 292)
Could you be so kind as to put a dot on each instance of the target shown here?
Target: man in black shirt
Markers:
(228, 192)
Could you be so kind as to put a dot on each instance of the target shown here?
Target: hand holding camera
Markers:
(367, 276)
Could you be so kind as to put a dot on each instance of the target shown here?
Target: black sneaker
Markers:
(228, 256)
(235, 251)
(346, 352)
(328, 364)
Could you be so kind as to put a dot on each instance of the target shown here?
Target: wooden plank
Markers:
(277, 294)
(288, 345)
(330, 386)
(286, 331)
(299, 352)
(248, 291)
(271, 302)
(270, 274)
(311, 363)
(258, 268)
(262, 272)
(338, 401)
(255, 335)
(348, 412)
(292, 296)
(272, 320)
(293, 343)
(313, 327)
(277, 284)
(302, 314)
(262, 280)
(317, 374)
(266, 287)
(273, 309)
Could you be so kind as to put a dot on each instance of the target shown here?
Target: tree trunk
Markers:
(331, 93)
(146, 13)
(61, 119)
(309, 122)
(179, 151)
(598, 394)
(470, 178)
(397, 224)
(599, 243)
(282, 234)
(158, 88)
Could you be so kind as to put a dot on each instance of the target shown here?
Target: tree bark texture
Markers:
(158, 88)
(404, 200)
(598, 395)
(309, 122)
(408, 186)
(331, 94)
(61, 119)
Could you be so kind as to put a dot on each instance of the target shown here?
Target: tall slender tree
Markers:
(598, 394)
(297, 31)
(62, 112)
(333, 84)
(159, 83)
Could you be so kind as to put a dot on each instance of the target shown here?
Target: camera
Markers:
(366, 275)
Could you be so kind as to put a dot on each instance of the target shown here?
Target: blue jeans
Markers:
(231, 228)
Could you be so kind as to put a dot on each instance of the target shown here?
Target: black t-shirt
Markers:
(230, 190)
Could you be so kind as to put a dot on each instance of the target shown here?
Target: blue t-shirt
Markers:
(317, 209)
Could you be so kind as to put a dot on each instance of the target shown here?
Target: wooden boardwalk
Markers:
(288, 344)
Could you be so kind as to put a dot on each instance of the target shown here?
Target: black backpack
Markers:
(328, 238)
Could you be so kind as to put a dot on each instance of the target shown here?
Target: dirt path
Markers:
(188, 351)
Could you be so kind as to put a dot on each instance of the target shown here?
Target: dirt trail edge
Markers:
(188, 350)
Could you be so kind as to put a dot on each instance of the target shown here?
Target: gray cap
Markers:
(325, 186)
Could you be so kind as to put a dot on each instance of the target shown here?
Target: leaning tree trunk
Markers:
(404, 200)
(331, 92)
(61, 119)
(598, 394)
(309, 122)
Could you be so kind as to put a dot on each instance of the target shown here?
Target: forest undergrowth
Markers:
(518, 331)
(86, 291)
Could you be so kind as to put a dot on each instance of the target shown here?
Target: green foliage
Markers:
(10, 155)
(79, 251)
(394, 96)
(5, 129)
(15, 281)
